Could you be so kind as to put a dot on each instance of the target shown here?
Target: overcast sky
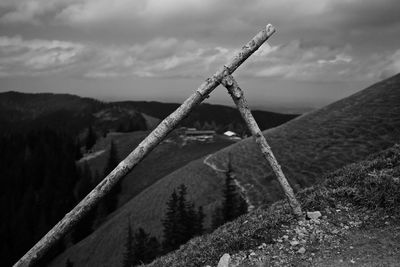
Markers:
(163, 49)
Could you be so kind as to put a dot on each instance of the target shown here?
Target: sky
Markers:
(163, 50)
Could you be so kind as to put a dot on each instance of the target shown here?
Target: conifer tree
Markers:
(184, 221)
(217, 218)
(233, 204)
(84, 227)
(128, 248)
(181, 221)
(230, 195)
(198, 223)
(110, 201)
(145, 247)
(170, 224)
(69, 263)
(90, 138)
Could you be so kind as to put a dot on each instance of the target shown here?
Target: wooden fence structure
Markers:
(222, 76)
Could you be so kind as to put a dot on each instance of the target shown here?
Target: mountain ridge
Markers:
(306, 147)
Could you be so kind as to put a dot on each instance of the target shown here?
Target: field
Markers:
(164, 159)
(307, 147)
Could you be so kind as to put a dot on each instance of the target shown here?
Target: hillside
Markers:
(223, 117)
(307, 147)
(358, 224)
(21, 112)
(167, 157)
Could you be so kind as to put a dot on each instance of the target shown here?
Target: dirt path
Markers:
(342, 236)
(369, 247)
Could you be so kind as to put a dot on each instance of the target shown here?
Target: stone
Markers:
(301, 250)
(294, 243)
(313, 215)
(225, 260)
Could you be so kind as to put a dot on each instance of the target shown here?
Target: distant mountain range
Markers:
(307, 147)
(23, 111)
(219, 114)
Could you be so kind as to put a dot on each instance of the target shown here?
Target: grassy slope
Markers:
(222, 115)
(369, 187)
(307, 147)
(164, 159)
(71, 113)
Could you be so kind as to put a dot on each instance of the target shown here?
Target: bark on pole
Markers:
(238, 97)
(148, 144)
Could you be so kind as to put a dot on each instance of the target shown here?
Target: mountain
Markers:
(356, 223)
(307, 147)
(222, 117)
(167, 157)
(21, 112)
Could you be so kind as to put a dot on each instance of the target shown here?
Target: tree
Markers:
(230, 195)
(110, 201)
(233, 204)
(145, 247)
(170, 224)
(90, 138)
(69, 263)
(181, 221)
(217, 218)
(85, 226)
(198, 225)
(128, 248)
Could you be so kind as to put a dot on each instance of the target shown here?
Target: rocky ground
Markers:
(353, 219)
(340, 236)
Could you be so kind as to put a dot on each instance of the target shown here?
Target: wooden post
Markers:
(238, 97)
(148, 144)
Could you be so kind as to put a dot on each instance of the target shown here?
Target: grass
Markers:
(163, 160)
(372, 184)
(307, 147)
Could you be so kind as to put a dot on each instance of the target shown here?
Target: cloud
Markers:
(159, 58)
(37, 57)
(174, 58)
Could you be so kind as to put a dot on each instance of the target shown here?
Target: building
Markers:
(232, 135)
(199, 135)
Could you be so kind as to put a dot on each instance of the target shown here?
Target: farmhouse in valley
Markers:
(192, 134)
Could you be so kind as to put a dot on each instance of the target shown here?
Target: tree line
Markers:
(181, 222)
(41, 182)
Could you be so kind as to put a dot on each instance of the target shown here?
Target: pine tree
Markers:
(90, 138)
(217, 218)
(229, 193)
(170, 224)
(181, 221)
(198, 226)
(84, 227)
(110, 201)
(233, 204)
(69, 263)
(184, 227)
(128, 248)
(145, 247)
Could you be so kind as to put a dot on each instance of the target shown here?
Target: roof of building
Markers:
(230, 133)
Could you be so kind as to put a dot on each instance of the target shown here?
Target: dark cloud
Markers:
(326, 40)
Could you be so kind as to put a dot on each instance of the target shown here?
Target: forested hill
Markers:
(210, 115)
(21, 112)
(343, 132)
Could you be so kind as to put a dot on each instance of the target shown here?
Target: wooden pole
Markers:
(148, 144)
(238, 97)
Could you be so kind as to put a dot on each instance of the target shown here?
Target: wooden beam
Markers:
(238, 97)
(148, 144)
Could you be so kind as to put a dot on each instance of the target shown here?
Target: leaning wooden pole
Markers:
(149, 143)
(238, 97)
